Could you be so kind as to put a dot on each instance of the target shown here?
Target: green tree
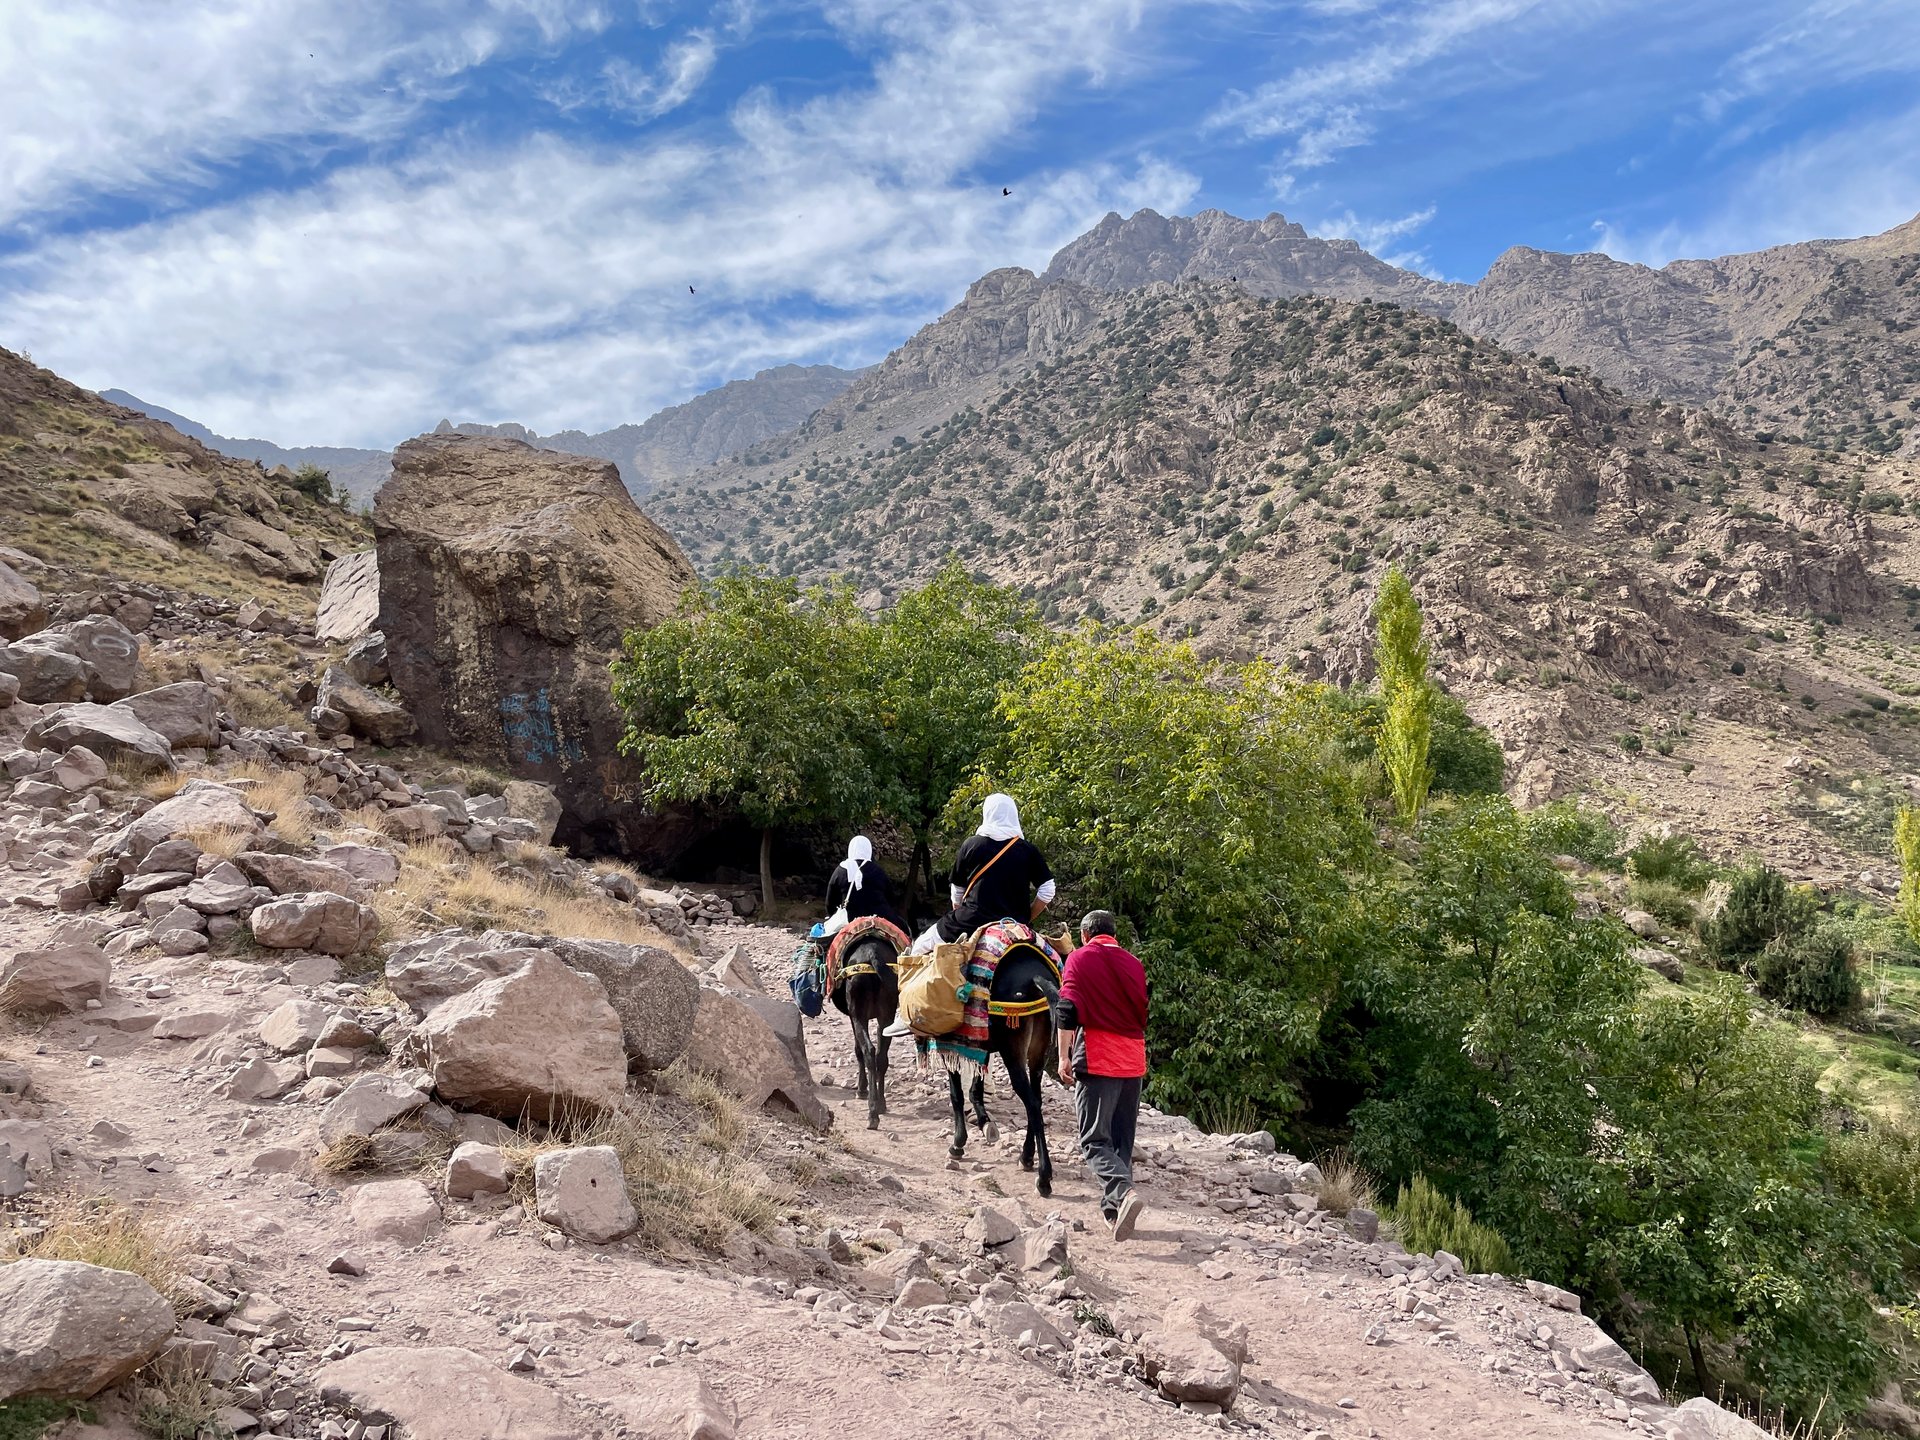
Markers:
(1906, 843)
(1406, 733)
(1708, 1218)
(314, 483)
(750, 697)
(1194, 800)
(940, 658)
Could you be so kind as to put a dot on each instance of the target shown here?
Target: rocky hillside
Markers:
(1820, 339)
(707, 428)
(357, 471)
(668, 443)
(88, 487)
(1628, 593)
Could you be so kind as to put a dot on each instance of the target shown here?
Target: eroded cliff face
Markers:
(508, 576)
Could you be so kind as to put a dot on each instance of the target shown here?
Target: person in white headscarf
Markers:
(859, 884)
(998, 875)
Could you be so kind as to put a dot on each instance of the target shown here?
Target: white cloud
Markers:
(1381, 237)
(683, 68)
(127, 97)
(1857, 180)
(546, 280)
(1321, 104)
(1818, 46)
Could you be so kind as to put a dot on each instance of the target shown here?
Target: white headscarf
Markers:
(858, 849)
(1000, 818)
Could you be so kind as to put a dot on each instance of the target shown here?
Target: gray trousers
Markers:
(1108, 1107)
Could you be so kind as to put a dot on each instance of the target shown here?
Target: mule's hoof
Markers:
(1025, 1163)
(990, 1132)
(873, 1122)
(1044, 1186)
(953, 1163)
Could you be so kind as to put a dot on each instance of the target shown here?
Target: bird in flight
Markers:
(690, 290)
(1005, 191)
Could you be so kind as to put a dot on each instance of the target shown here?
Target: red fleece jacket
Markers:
(1104, 993)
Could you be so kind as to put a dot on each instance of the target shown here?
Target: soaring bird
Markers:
(1005, 191)
(689, 290)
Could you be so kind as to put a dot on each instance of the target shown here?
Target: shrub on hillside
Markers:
(1670, 859)
(1427, 1221)
(314, 483)
(1565, 827)
(1663, 900)
(1810, 970)
(1761, 907)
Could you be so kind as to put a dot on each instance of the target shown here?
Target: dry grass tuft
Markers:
(1344, 1185)
(440, 885)
(127, 776)
(348, 1155)
(691, 1157)
(99, 1230)
(177, 1402)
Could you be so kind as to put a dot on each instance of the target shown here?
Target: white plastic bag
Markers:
(836, 922)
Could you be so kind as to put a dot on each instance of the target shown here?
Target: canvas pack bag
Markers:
(930, 993)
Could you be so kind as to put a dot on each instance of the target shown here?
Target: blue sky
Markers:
(335, 221)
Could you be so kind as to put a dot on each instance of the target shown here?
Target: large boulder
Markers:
(539, 1041)
(186, 713)
(349, 597)
(403, 1211)
(424, 972)
(368, 1102)
(47, 674)
(111, 733)
(654, 995)
(584, 1193)
(444, 1393)
(292, 874)
(739, 1047)
(508, 577)
(69, 1330)
(315, 920)
(201, 807)
(368, 713)
(1701, 1419)
(59, 978)
(107, 653)
(22, 611)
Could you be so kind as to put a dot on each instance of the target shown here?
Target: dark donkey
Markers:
(1023, 1044)
(869, 992)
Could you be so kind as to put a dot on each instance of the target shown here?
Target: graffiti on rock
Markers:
(526, 723)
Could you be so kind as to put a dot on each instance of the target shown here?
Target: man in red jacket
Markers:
(1102, 1020)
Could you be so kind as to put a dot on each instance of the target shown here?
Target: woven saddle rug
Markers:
(844, 940)
(964, 1052)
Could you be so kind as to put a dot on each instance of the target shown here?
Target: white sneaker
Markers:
(1129, 1215)
(898, 1029)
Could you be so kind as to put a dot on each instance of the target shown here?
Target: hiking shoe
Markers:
(1129, 1215)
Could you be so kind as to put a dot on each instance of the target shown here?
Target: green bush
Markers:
(1673, 859)
(1760, 909)
(1427, 1221)
(1880, 1167)
(1810, 970)
(1565, 827)
(1663, 900)
(314, 483)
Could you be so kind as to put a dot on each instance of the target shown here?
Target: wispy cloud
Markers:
(1383, 237)
(1839, 183)
(650, 94)
(547, 279)
(111, 98)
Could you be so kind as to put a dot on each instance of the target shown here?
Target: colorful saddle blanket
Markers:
(991, 944)
(853, 931)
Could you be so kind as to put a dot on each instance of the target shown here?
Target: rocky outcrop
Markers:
(508, 577)
(746, 1045)
(316, 920)
(346, 704)
(654, 995)
(109, 732)
(58, 978)
(69, 1330)
(184, 714)
(22, 611)
(349, 598)
(540, 1041)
